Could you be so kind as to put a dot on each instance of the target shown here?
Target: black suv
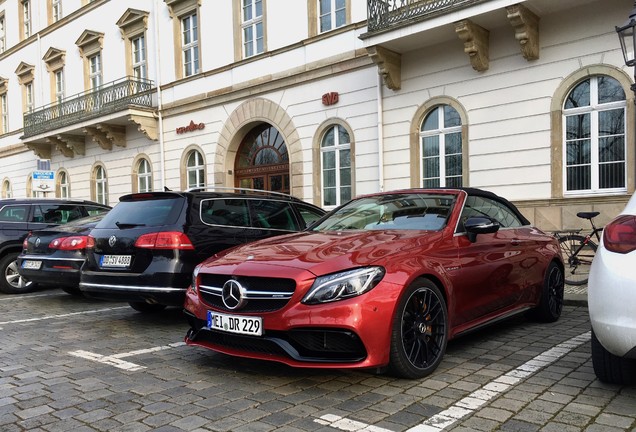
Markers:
(144, 251)
(18, 217)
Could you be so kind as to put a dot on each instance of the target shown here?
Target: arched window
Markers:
(195, 170)
(441, 148)
(63, 185)
(6, 189)
(594, 153)
(100, 185)
(144, 176)
(335, 156)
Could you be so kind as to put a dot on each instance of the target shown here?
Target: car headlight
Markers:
(195, 273)
(339, 286)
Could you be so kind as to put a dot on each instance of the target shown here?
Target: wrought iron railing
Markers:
(384, 14)
(106, 99)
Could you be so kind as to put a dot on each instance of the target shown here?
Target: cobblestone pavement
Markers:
(72, 364)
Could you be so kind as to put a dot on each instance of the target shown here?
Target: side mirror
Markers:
(479, 225)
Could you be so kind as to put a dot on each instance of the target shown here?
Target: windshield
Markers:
(404, 211)
(148, 213)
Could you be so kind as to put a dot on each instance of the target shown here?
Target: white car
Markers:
(612, 300)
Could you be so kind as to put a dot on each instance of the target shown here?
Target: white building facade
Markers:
(322, 99)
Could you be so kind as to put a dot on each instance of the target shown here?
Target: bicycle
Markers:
(578, 250)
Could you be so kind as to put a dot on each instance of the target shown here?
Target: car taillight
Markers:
(90, 242)
(164, 240)
(620, 234)
(25, 243)
(69, 243)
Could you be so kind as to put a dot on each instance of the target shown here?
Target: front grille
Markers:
(304, 345)
(262, 294)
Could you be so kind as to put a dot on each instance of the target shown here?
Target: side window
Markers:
(308, 214)
(273, 214)
(480, 206)
(14, 213)
(232, 212)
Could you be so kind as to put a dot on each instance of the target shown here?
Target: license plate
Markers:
(31, 265)
(235, 324)
(115, 261)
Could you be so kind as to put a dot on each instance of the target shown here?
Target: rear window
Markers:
(57, 213)
(154, 212)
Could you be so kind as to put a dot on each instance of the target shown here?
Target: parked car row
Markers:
(382, 282)
(19, 217)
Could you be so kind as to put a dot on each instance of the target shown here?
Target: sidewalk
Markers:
(575, 295)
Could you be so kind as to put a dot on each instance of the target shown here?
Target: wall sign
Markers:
(191, 127)
(330, 98)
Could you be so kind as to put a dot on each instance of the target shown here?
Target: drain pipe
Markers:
(380, 135)
(162, 155)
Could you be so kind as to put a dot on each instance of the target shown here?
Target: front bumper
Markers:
(352, 333)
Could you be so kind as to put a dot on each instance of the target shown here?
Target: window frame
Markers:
(441, 131)
(144, 176)
(593, 110)
(99, 189)
(198, 168)
(95, 70)
(25, 19)
(332, 14)
(3, 33)
(139, 59)
(4, 112)
(63, 189)
(253, 24)
(190, 44)
(336, 149)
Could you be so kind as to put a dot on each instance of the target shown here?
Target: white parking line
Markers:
(48, 317)
(115, 359)
(475, 400)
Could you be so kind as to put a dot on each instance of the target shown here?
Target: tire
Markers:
(577, 268)
(551, 303)
(419, 331)
(609, 368)
(147, 307)
(10, 280)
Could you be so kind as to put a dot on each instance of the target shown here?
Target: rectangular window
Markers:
(190, 45)
(4, 106)
(59, 86)
(252, 26)
(331, 14)
(57, 10)
(26, 17)
(28, 97)
(139, 63)
(95, 63)
(3, 40)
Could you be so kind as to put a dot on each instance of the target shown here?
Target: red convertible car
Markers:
(382, 282)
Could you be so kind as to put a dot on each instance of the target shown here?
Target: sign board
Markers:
(44, 181)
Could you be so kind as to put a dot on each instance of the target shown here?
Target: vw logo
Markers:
(233, 295)
(112, 240)
(37, 242)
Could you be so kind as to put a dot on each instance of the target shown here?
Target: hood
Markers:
(326, 252)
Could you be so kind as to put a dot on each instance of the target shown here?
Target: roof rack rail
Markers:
(239, 189)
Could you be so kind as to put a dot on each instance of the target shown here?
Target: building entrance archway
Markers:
(262, 161)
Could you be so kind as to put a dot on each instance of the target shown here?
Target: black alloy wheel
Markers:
(420, 331)
(551, 304)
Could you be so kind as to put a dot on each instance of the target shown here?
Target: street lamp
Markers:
(627, 38)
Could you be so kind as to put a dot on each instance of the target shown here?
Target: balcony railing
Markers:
(384, 14)
(106, 99)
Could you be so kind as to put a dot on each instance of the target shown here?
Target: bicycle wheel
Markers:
(577, 258)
